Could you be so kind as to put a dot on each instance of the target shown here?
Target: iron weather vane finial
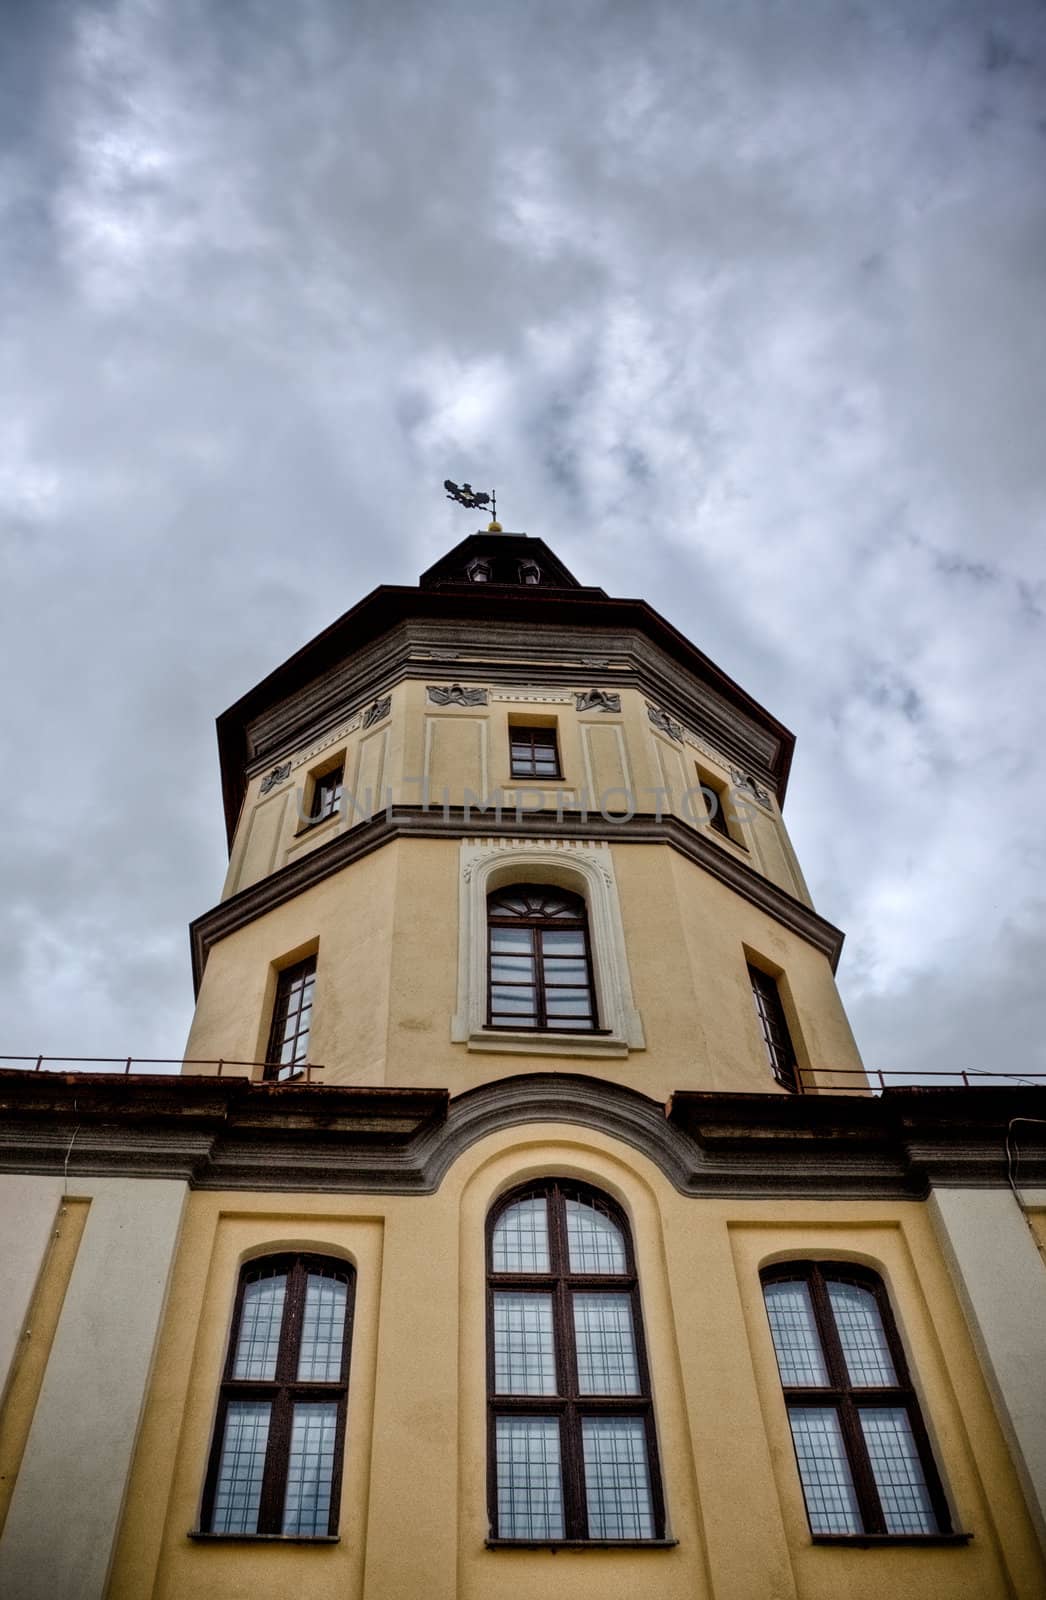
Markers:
(474, 500)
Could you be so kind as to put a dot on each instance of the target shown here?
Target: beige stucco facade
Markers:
(413, 1517)
(86, 1273)
(385, 930)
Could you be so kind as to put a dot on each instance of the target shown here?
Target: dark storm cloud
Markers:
(741, 306)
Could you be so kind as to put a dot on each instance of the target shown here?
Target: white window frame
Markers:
(585, 869)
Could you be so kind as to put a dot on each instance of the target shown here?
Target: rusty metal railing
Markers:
(823, 1079)
(126, 1064)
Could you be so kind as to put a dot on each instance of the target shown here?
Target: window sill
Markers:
(581, 1544)
(529, 1042)
(311, 824)
(722, 838)
(263, 1538)
(873, 1540)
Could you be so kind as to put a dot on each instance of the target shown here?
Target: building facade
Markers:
(522, 1219)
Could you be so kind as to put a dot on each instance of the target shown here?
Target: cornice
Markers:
(226, 1133)
(504, 637)
(398, 822)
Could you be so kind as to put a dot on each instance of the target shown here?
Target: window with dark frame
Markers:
(572, 1446)
(778, 1040)
(539, 964)
(534, 752)
(715, 805)
(864, 1458)
(279, 1436)
(327, 792)
(291, 1020)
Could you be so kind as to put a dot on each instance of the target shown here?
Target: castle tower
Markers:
(497, 727)
(521, 1221)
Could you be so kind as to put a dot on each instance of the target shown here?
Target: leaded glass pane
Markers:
(259, 1341)
(241, 1467)
(831, 1501)
(530, 1489)
(511, 941)
(521, 1237)
(595, 1242)
(524, 1350)
(798, 1347)
(511, 969)
(617, 1478)
(862, 1335)
(306, 1506)
(606, 1345)
(898, 1472)
(323, 1330)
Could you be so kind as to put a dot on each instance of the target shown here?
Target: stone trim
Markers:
(582, 866)
(229, 1133)
(417, 822)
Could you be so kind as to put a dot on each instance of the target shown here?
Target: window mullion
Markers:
(277, 1455)
(539, 977)
(290, 1328)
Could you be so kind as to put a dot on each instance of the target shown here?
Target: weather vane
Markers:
(474, 500)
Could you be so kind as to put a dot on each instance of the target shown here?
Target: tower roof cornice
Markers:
(579, 610)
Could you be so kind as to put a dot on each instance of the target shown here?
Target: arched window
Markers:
(573, 1454)
(864, 1457)
(539, 968)
(279, 1436)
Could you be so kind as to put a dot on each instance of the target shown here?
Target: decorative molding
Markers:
(230, 1133)
(278, 775)
(324, 744)
(378, 711)
(756, 790)
(705, 748)
(662, 720)
(584, 866)
(597, 700)
(548, 697)
(416, 822)
(455, 695)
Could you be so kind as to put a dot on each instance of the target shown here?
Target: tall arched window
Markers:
(539, 965)
(573, 1454)
(864, 1457)
(279, 1436)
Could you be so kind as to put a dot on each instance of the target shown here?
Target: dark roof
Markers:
(503, 554)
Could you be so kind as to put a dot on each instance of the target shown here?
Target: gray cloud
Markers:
(741, 307)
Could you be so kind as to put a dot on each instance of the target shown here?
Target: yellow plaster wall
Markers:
(387, 932)
(413, 1520)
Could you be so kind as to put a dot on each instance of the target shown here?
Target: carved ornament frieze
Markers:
(278, 775)
(378, 711)
(744, 781)
(597, 700)
(663, 721)
(455, 695)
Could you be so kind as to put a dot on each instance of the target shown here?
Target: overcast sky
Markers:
(742, 307)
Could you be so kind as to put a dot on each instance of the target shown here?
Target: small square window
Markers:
(534, 751)
(327, 793)
(719, 814)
